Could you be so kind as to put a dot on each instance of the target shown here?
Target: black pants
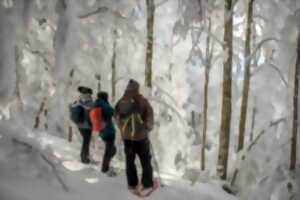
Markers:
(85, 148)
(142, 149)
(110, 151)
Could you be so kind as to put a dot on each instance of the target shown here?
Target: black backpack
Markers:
(130, 120)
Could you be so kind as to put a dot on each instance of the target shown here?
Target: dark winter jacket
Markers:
(81, 110)
(144, 109)
(107, 113)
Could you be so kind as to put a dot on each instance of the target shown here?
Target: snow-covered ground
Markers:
(34, 179)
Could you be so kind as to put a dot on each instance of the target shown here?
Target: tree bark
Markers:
(246, 82)
(295, 109)
(253, 123)
(149, 48)
(209, 53)
(113, 69)
(226, 100)
(37, 118)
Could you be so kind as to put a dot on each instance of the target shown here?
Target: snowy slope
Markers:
(84, 181)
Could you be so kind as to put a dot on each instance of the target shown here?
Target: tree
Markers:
(246, 82)
(295, 108)
(226, 99)
(113, 68)
(149, 48)
(209, 54)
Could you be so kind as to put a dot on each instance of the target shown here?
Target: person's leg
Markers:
(131, 173)
(85, 148)
(143, 151)
(110, 151)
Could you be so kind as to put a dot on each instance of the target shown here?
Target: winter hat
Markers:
(132, 84)
(85, 90)
(103, 96)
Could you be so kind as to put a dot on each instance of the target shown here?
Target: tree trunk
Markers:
(226, 99)
(70, 131)
(37, 118)
(113, 69)
(209, 53)
(295, 108)
(253, 123)
(18, 54)
(149, 48)
(246, 83)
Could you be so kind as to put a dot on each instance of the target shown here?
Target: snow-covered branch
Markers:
(272, 123)
(260, 44)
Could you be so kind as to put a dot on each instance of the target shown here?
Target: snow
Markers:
(87, 181)
(58, 51)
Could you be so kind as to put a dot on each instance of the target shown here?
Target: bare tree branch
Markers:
(279, 73)
(272, 123)
(260, 44)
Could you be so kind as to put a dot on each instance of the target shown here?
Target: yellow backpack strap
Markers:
(139, 117)
(125, 123)
(132, 125)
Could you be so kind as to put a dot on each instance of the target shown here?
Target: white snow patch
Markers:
(92, 180)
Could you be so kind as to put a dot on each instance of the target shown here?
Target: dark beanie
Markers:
(103, 96)
(132, 84)
(85, 90)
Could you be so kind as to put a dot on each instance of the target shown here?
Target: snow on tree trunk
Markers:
(295, 108)
(226, 99)
(246, 82)
(149, 48)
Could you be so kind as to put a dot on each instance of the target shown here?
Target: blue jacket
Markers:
(107, 112)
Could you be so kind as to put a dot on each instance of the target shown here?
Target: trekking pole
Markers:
(156, 165)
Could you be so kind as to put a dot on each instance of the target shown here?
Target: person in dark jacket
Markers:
(134, 116)
(108, 133)
(81, 108)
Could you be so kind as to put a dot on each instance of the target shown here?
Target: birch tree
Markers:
(226, 99)
(246, 82)
(295, 108)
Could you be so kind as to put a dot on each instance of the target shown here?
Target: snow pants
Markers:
(110, 151)
(85, 148)
(142, 149)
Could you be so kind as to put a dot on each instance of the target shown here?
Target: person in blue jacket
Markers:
(80, 110)
(108, 133)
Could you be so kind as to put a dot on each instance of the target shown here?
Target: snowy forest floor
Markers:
(87, 182)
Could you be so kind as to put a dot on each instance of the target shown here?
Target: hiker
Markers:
(134, 117)
(80, 110)
(107, 132)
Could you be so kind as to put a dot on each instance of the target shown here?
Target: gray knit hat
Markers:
(132, 84)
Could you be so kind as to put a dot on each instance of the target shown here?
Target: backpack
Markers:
(97, 120)
(130, 120)
(77, 113)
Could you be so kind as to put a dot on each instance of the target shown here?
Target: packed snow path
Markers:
(87, 182)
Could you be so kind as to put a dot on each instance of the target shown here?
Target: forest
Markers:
(222, 77)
